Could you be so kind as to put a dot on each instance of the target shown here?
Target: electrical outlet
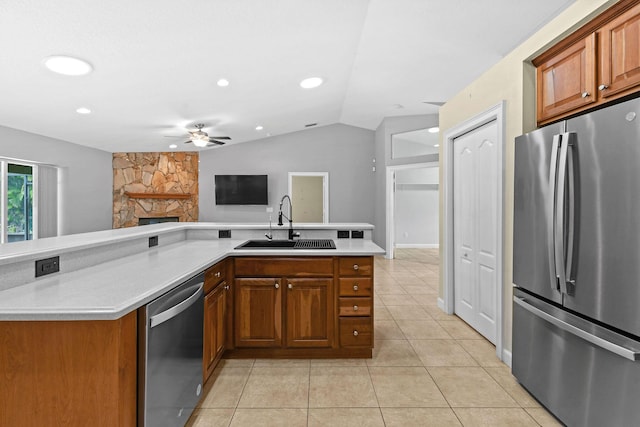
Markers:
(153, 241)
(47, 266)
(357, 234)
(343, 234)
(224, 234)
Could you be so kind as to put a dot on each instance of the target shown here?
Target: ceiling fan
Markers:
(200, 138)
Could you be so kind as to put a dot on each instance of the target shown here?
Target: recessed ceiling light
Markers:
(259, 127)
(83, 110)
(436, 145)
(67, 65)
(223, 82)
(434, 130)
(311, 82)
(172, 146)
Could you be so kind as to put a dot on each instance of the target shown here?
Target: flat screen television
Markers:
(241, 190)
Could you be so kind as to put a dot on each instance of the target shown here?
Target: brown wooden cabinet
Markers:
(309, 319)
(215, 316)
(355, 301)
(620, 54)
(296, 298)
(258, 312)
(567, 81)
(598, 63)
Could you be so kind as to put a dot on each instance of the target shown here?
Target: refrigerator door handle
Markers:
(569, 284)
(551, 212)
(558, 225)
(622, 351)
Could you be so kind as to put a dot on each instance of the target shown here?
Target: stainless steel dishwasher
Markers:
(172, 372)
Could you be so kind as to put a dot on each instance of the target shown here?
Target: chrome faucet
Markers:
(269, 235)
(292, 234)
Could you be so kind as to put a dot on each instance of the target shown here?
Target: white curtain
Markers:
(47, 201)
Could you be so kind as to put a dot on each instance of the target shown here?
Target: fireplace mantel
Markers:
(158, 195)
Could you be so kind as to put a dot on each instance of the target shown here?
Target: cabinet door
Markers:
(620, 53)
(309, 304)
(258, 312)
(567, 80)
(214, 327)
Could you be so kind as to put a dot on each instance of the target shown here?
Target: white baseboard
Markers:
(506, 357)
(417, 245)
(441, 304)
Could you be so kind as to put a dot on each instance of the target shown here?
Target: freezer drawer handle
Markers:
(176, 309)
(602, 343)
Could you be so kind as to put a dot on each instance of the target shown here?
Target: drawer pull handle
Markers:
(355, 308)
(355, 287)
(217, 274)
(277, 285)
(355, 267)
(355, 333)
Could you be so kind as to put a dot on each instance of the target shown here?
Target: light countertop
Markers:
(111, 289)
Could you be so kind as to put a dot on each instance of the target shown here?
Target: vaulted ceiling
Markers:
(156, 63)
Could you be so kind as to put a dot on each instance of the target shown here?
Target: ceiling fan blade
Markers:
(187, 142)
(173, 136)
(220, 137)
(213, 141)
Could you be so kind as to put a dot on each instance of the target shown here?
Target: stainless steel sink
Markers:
(288, 244)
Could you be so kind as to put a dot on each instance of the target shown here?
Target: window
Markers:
(19, 201)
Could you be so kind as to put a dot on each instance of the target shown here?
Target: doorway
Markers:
(473, 223)
(412, 197)
(309, 192)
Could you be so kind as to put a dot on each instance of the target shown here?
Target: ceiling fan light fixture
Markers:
(67, 65)
(200, 140)
(311, 82)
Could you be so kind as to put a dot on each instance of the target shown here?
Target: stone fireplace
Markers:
(154, 185)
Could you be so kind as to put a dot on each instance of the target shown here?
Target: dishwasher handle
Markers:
(172, 312)
(605, 344)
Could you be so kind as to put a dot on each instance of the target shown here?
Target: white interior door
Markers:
(475, 181)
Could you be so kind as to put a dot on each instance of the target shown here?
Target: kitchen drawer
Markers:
(356, 332)
(214, 275)
(355, 306)
(355, 286)
(278, 267)
(356, 266)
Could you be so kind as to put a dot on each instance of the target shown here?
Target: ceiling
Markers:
(156, 63)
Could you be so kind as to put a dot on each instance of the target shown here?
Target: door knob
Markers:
(585, 94)
(277, 285)
(603, 87)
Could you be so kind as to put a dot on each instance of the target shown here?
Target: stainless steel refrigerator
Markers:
(576, 266)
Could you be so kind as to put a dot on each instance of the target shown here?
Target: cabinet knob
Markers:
(355, 287)
(276, 285)
(217, 274)
(355, 333)
(585, 94)
(290, 286)
(356, 267)
(355, 308)
(227, 287)
(603, 87)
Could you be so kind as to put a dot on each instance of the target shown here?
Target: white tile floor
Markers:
(428, 369)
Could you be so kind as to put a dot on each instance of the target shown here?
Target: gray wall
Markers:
(388, 127)
(86, 177)
(345, 152)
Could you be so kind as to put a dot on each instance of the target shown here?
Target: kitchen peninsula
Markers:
(70, 341)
